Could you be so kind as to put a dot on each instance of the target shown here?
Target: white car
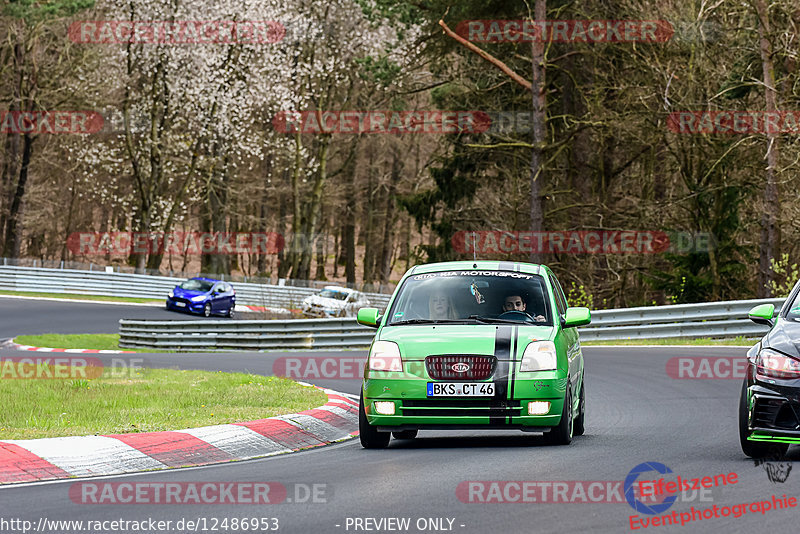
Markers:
(334, 301)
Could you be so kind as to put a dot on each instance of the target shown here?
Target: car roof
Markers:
(212, 280)
(340, 288)
(478, 265)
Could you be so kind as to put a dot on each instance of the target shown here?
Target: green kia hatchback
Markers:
(474, 345)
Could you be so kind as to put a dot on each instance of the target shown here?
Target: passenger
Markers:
(440, 306)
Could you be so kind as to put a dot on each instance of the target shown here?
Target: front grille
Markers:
(443, 367)
(461, 408)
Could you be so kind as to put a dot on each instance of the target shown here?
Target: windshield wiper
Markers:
(427, 321)
(490, 320)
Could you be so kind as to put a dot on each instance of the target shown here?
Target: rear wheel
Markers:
(562, 434)
(368, 434)
(207, 309)
(580, 421)
(405, 434)
(755, 449)
(230, 313)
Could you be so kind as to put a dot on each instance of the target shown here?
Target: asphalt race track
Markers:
(636, 413)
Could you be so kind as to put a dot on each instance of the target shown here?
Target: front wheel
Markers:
(207, 309)
(562, 434)
(755, 449)
(368, 434)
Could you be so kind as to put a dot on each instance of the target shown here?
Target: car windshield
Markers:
(333, 294)
(472, 297)
(794, 308)
(197, 285)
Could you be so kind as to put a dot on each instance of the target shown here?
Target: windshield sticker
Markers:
(500, 274)
(477, 294)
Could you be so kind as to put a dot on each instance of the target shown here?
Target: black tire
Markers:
(579, 426)
(369, 436)
(230, 313)
(755, 449)
(562, 434)
(405, 434)
(207, 309)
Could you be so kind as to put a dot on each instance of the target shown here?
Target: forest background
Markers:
(192, 141)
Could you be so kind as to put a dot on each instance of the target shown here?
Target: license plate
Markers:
(460, 389)
(180, 304)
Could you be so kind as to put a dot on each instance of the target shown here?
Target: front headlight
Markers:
(198, 298)
(773, 364)
(385, 356)
(539, 356)
(171, 294)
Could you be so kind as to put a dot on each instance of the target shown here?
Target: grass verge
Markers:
(77, 296)
(740, 340)
(78, 341)
(148, 401)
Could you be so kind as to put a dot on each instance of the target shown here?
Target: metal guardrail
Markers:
(711, 319)
(245, 335)
(719, 319)
(38, 280)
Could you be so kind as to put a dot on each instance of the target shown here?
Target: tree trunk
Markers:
(216, 206)
(13, 237)
(390, 219)
(349, 230)
(770, 232)
(293, 256)
(314, 210)
(538, 92)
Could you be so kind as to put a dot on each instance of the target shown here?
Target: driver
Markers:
(515, 303)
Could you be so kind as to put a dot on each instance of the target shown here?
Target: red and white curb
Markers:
(83, 456)
(17, 346)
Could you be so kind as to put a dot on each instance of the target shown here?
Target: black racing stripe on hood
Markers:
(513, 358)
(502, 352)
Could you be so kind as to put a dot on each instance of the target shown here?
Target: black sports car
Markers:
(769, 407)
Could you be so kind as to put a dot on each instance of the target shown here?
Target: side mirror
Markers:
(577, 317)
(369, 317)
(762, 314)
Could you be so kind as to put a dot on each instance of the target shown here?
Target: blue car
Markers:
(203, 295)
